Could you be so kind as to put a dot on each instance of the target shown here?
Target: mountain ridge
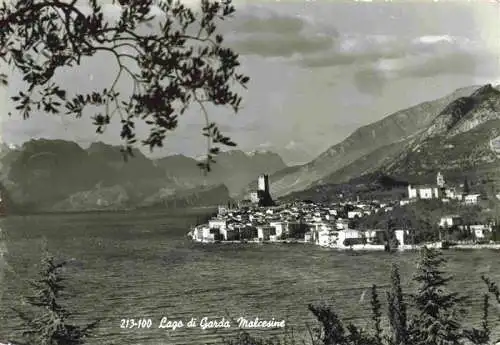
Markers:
(401, 126)
(459, 141)
(59, 175)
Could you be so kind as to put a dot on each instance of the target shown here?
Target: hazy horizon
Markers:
(317, 72)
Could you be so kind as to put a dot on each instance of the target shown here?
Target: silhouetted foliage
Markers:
(439, 313)
(332, 330)
(421, 218)
(172, 54)
(244, 338)
(377, 316)
(397, 311)
(430, 316)
(466, 186)
(46, 320)
(388, 182)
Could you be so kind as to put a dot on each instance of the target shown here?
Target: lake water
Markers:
(142, 265)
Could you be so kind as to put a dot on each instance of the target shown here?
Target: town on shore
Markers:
(339, 225)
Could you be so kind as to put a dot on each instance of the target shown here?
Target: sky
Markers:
(319, 69)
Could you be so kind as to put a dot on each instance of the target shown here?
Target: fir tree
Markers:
(377, 316)
(481, 336)
(332, 330)
(46, 321)
(437, 321)
(466, 186)
(430, 317)
(397, 312)
(492, 288)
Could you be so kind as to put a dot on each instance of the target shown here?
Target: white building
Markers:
(354, 214)
(423, 192)
(229, 234)
(451, 193)
(223, 210)
(308, 237)
(280, 228)
(203, 233)
(332, 212)
(254, 197)
(324, 238)
(347, 234)
(400, 236)
(341, 224)
(472, 199)
(479, 230)
(449, 221)
(216, 223)
(197, 233)
(264, 232)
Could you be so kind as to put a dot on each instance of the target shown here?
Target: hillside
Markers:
(204, 196)
(58, 175)
(397, 127)
(235, 169)
(460, 141)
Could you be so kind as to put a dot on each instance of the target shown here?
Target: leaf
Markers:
(61, 94)
(171, 72)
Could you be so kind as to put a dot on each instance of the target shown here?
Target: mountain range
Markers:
(58, 175)
(456, 134)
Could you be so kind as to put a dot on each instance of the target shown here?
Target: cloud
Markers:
(273, 24)
(268, 34)
(282, 46)
(459, 63)
(376, 59)
(465, 63)
(345, 59)
(365, 49)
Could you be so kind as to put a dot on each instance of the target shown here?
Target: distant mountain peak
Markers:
(485, 90)
(369, 147)
(259, 152)
(467, 112)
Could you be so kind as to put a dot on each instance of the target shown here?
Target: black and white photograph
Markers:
(250, 172)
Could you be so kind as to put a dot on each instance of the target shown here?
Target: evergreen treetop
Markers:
(46, 321)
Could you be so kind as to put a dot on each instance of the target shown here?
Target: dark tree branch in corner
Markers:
(170, 68)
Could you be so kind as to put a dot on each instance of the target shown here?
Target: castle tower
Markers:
(263, 191)
(263, 184)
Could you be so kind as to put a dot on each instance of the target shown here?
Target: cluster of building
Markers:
(303, 222)
(443, 192)
(321, 224)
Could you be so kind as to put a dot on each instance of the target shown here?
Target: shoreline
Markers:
(495, 246)
(361, 247)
